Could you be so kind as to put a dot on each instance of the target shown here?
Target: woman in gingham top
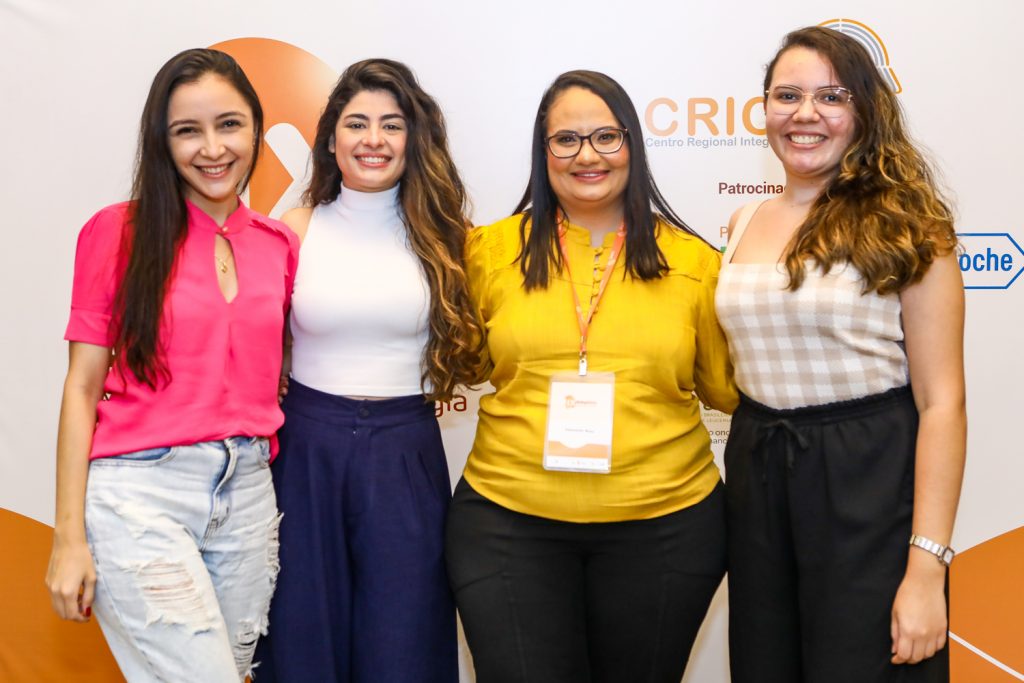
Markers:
(837, 297)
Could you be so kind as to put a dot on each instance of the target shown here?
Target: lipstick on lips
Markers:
(590, 176)
(373, 160)
(218, 171)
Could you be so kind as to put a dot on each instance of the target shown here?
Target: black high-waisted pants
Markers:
(819, 505)
(548, 601)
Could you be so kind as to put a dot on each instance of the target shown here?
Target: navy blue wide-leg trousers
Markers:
(362, 595)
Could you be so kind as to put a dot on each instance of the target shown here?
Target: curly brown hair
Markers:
(434, 206)
(882, 212)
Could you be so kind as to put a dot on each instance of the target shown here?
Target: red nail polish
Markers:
(88, 612)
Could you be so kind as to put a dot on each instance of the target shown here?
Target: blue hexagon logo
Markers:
(990, 260)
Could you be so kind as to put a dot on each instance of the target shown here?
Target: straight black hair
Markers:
(159, 218)
(644, 203)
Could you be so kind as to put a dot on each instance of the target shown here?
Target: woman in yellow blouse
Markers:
(587, 536)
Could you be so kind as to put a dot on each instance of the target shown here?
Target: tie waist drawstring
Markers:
(789, 432)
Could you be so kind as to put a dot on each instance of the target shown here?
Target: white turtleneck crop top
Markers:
(360, 304)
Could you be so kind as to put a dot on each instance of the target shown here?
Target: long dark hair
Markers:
(158, 217)
(539, 204)
(883, 211)
(433, 205)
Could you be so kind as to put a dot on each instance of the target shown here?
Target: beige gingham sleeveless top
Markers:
(823, 343)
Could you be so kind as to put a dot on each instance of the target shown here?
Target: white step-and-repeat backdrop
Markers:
(75, 75)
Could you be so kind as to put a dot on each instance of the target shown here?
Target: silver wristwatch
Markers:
(943, 553)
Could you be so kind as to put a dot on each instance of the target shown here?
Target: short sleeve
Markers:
(98, 267)
(713, 373)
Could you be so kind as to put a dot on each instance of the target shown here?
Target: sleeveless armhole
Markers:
(746, 213)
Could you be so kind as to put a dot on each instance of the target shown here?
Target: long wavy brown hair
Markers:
(158, 216)
(434, 207)
(882, 212)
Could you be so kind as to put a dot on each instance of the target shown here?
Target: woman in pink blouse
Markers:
(166, 520)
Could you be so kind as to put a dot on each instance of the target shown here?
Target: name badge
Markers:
(579, 430)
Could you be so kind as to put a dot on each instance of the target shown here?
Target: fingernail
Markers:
(88, 612)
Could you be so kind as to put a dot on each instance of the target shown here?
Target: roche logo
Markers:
(990, 260)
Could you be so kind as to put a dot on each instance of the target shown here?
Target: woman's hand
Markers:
(919, 611)
(71, 579)
(71, 576)
(282, 388)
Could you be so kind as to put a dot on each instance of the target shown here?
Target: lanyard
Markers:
(620, 238)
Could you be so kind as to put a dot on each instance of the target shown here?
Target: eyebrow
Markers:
(576, 132)
(225, 115)
(820, 87)
(364, 117)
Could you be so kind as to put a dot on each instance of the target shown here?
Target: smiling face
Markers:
(588, 182)
(808, 144)
(210, 136)
(369, 142)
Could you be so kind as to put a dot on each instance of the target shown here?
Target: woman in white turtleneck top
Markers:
(370, 344)
(381, 326)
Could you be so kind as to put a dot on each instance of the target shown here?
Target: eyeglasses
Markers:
(830, 102)
(567, 143)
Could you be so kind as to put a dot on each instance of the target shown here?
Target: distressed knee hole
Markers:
(245, 645)
(274, 549)
(172, 596)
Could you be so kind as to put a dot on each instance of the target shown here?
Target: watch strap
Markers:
(943, 553)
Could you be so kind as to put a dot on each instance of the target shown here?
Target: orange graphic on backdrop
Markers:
(986, 611)
(293, 86)
(872, 42)
(35, 644)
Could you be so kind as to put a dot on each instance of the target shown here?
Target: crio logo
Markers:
(990, 260)
(709, 122)
(863, 34)
(293, 86)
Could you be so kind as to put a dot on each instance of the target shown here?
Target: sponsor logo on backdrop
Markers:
(990, 260)
(717, 424)
(456, 405)
(757, 189)
(864, 35)
(703, 123)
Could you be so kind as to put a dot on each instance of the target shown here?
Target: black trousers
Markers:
(545, 601)
(819, 503)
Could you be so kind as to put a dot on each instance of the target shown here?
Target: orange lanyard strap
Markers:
(584, 323)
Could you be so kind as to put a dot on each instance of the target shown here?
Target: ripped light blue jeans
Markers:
(184, 540)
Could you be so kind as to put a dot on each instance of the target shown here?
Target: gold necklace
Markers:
(221, 264)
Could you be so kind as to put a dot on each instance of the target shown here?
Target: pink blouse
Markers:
(224, 358)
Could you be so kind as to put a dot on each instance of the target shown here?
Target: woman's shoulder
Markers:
(298, 219)
(687, 254)
(104, 230)
(276, 227)
(496, 243)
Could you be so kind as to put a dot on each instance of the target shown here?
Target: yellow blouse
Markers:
(661, 339)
